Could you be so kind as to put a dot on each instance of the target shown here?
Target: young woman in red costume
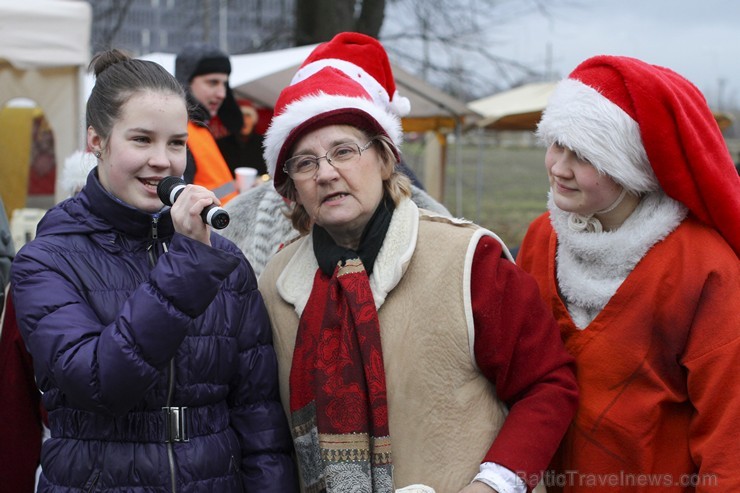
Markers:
(637, 257)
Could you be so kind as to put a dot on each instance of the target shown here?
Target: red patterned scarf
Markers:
(338, 399)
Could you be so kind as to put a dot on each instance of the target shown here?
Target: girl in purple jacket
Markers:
(150, 341)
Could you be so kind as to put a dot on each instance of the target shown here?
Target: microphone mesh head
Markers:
(166, 186)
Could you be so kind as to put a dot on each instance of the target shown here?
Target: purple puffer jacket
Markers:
(154, 355)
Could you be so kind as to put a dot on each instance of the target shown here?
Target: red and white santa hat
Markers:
(648, 128)
(347, 80)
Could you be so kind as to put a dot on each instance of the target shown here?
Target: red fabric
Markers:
(42, 173)
(338, 359)
(518, 348)
(680, 134)
(657, 367)
(20, 412)
(328, 80)
(361, 50)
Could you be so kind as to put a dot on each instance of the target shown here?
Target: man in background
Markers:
(203, 70)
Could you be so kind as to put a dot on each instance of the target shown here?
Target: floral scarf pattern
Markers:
(338, 403)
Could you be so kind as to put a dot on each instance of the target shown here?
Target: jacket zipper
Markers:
(170, 446)
(92, 482)
(151, 249)
(152, 253)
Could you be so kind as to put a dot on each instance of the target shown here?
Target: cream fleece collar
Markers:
(592, 265)
(296, 280)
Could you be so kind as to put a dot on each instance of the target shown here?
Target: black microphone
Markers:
(172, 186)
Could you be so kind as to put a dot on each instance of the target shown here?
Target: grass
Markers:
(504, 194)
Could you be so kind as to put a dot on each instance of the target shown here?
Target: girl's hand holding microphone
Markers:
(194, 208)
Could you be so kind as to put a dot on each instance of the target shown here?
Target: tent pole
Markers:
(458, 169)
(479, 177)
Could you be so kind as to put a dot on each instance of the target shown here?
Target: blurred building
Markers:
(236, 26)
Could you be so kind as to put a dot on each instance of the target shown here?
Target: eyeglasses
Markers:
(304, 166)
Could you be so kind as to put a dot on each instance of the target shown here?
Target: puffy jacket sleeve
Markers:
(108, 367)
(256, 412)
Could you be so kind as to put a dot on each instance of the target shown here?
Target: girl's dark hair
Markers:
(117, 78)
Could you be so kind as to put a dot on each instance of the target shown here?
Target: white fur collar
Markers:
(591, 266)
(296, 280)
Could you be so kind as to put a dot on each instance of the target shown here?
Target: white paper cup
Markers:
(245, 178)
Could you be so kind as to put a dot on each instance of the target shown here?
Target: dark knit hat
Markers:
(198, 59)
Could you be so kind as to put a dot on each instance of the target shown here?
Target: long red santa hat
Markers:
(648, 128)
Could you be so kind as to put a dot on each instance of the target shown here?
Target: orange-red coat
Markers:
(657, 368)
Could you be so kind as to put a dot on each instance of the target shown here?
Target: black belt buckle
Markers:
(177, 424)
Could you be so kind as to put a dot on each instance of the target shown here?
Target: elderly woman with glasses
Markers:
(413, 353)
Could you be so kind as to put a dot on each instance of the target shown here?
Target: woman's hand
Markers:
(478, 487)
(186, 211)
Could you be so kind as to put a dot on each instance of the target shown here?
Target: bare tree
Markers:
(113, 15)
(320, 20)
(453, 43)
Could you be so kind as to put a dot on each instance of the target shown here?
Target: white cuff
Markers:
(500, 478)
(416, 488)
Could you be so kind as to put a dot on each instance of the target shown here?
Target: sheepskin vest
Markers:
(443, 413)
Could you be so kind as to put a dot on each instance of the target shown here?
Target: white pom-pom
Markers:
(401, 105)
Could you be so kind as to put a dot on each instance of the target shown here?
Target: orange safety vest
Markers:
(211, 170)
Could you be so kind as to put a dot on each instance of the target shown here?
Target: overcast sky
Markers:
(699, 39)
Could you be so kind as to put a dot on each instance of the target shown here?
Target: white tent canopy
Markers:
(44, 33)
(44, 49)
(519, 108)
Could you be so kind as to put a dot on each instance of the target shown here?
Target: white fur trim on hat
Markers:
(582, 119)
(308, 107)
